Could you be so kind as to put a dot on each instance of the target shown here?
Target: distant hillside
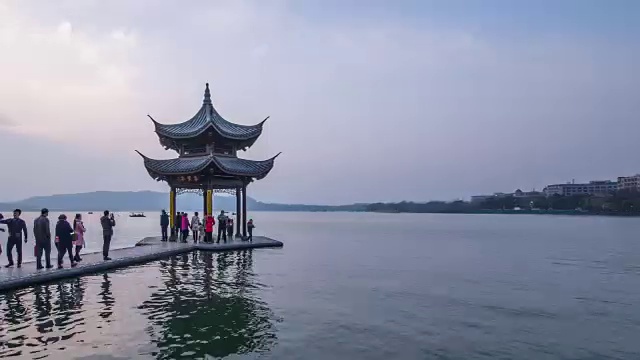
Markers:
(119, 201)
(153, 201)
(10, 206)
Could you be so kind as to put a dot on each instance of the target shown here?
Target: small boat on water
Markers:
(90, 212)
(137, 215)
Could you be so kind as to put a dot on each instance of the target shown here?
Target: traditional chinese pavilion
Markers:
(207, 162)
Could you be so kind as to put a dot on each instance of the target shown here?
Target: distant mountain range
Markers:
(153, 201)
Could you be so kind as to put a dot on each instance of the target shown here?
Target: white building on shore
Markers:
(598, 187)
(591, 188)
(629, 182)
(517, 194)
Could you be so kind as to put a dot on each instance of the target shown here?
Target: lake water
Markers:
(353, 286)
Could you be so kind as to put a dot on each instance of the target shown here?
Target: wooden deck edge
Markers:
(239, 246)
(50, 276)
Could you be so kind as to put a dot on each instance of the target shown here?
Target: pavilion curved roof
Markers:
(231, 165)
(208, 117)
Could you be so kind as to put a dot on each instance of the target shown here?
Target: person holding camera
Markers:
(108, 223)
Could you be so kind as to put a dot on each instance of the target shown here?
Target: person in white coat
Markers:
(195, 227)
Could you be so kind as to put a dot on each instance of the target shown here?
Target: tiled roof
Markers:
(205, 118)
(228, 164)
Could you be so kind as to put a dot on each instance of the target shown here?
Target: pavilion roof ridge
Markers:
(207, 118)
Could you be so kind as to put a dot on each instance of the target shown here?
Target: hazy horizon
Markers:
(369, 101)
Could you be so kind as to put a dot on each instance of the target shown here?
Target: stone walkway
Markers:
(148, 249)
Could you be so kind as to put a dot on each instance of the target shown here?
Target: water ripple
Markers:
(188, 306)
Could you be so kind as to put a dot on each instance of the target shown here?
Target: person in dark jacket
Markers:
(164, 224)
(222, 226)
(16, 227)
(42, 234)
(108, 223)
(230, 228)
(64, 233)
(177, 224)
(250, 227)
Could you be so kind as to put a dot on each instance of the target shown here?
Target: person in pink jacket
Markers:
(185, 226)
(79, 230)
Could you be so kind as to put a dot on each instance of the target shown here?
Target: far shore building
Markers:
(480, 198)
(629, 182)
(596, 188)
(517, 194)
(527, 194)
(592, 188)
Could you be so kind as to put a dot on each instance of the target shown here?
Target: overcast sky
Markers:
(369, 100)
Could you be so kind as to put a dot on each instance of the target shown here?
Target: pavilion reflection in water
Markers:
(214, 312)
(207, 305)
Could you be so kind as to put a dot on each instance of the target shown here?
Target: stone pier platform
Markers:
(148, 249)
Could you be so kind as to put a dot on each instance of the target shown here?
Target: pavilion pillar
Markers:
(204, 203)
(239, 217)
(244, 210)
(172, 208)
(210, 202)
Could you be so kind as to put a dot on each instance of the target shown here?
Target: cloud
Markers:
(366, 109)
(5, 121)
(60, 81)
(34, 165)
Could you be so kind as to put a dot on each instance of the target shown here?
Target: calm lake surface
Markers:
(352, 286)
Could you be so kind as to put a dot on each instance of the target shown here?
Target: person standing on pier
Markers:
(178, 225)
(108, 223)
(42, 234)
(230, 228)
(195, 227)
(16, 227)
(185, 226)
(222, 226)
(79, 230)
(250, 227)
(164, 224)
(64, 233)
(209, 221)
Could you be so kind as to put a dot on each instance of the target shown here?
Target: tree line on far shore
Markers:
(624, 202)
(621, 202)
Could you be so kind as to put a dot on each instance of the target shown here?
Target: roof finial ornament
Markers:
(207, 96)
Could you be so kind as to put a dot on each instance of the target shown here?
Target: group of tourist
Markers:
(197, 227)
(67, 237)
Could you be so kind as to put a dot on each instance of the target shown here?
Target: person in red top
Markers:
(209, 221)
